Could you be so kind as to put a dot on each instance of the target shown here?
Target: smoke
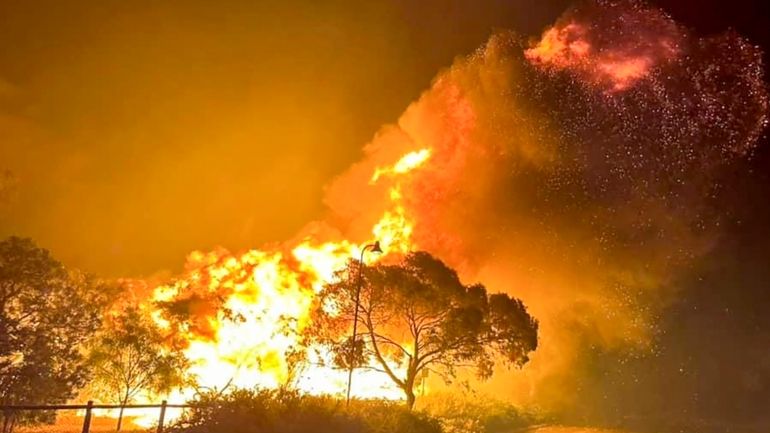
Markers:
(610, 44)
(578, 172)
(7, 186)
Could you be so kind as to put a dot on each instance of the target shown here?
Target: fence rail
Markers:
(90, 406)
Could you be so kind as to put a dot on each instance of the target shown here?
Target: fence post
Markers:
(87, 419)
(162, 415)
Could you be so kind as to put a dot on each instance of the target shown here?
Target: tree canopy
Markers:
(417, 315)
(47, 313)
(131, 355)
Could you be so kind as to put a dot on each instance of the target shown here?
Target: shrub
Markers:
(388, 416)
(281, 411)
(477, 414)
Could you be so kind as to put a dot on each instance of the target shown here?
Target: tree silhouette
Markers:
(416, 315)
(131, 355)
(46, 315)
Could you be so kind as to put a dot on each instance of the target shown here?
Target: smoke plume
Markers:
(578, 172)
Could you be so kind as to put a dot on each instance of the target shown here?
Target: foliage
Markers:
(283, 411)
(464, 413)
(131, 355)
(386, 416)
(416, 316)
(46, 315)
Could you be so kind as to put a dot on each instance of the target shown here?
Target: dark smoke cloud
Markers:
(585, 198)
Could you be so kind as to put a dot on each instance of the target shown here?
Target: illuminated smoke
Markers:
(613, 44)
(7, 186)
(577, 173)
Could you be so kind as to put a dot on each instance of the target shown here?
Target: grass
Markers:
(460, 413)
(74, 424)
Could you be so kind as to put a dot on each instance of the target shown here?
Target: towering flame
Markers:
(243, 316)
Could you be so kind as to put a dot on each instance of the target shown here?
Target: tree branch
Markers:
(379, 356)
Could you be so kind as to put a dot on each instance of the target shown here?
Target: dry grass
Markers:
(74, 424)
(559, 429)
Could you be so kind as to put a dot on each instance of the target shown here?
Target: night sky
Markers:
(718, 331)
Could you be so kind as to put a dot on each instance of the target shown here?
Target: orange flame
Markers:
(248, 311)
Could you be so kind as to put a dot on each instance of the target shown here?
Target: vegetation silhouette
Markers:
(284, 411)
(47, 314)
(417, 316)
(131, 356)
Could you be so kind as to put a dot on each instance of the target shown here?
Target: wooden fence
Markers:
(90, 406)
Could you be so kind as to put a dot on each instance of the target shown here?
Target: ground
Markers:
(74, 424)
(558, 429)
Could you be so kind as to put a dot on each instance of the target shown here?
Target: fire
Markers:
(473, 174)
(394, 229)
(404, 165)
(248, 311)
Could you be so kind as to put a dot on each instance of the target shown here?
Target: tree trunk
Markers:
(410, 399)
(411, 375)
(120, 416)
(123, 404)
